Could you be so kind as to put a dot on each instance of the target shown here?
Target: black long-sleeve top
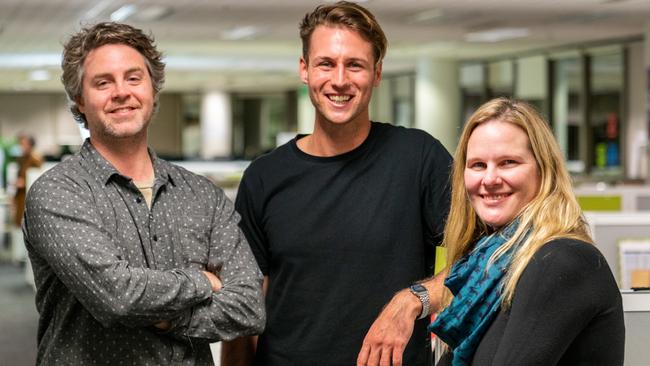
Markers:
(567, 310)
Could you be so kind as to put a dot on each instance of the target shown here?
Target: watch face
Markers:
(418, 288)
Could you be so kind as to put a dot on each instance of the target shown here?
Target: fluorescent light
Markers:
(123, 12)
(239, 33)
(96, 10)
(153, 12)
(497, 34)
(186, 63)
(34, 60)
(39, 75)
(426, 15)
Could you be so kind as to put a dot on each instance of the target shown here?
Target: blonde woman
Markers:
(529, 286)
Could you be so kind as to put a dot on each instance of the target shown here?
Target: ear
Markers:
(377, 74)
(304, 75)
(80, 104)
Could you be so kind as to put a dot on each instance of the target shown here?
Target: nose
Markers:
(491, 177)
(340, 77)
(120, 91)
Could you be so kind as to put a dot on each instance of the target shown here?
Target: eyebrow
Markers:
(128, 72)
(355, 59)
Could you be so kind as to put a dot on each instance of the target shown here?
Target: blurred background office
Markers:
(232, 92)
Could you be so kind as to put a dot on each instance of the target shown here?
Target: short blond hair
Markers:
(348, 15)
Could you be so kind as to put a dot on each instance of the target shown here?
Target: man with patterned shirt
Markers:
(136, 261)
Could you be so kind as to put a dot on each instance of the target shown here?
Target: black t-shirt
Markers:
(567, 310)
(338, 236)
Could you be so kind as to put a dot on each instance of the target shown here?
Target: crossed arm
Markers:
(237, 308)
(64, 231)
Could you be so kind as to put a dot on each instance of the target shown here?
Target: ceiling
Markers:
(254, 45)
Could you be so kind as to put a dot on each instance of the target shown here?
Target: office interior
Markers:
(232, 93)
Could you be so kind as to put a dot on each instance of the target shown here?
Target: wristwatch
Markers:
(421, 292)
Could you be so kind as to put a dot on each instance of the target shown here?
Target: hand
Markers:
(215, 282)
(163, 325)
(389, 334)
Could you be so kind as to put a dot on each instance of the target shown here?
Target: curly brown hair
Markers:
(80, 44)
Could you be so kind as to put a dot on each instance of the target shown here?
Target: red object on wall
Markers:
(612, 125)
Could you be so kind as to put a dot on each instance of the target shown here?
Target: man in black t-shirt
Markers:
(344, 220)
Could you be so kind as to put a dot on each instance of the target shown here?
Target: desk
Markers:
(636, 306)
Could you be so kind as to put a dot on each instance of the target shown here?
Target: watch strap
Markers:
(421, 292)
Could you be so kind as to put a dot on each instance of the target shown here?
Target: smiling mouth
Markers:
(122, 109)
(495, 197)
(339, 99)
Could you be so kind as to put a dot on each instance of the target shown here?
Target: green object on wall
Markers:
(601, 154)
(600, 203)
(441, 259)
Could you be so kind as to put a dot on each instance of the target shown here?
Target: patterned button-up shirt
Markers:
(107, 268)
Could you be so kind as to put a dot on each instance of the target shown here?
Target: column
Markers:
(437, 100)
(216, 125)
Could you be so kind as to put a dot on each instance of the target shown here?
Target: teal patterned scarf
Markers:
(477, 296)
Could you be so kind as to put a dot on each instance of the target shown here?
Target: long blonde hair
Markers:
(553, 213)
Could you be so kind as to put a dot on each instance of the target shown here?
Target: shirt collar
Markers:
(106, 171)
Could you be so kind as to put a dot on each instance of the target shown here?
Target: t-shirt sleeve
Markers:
(247, 204)
(566, 285)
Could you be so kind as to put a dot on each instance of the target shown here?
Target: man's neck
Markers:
(331, 139)
(129, 156)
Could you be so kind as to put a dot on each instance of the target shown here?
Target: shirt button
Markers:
(155, 238)
(138, 200)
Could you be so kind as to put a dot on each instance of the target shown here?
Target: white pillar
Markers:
(560, 112)
(437, 100)
(635, 140)
(216, 125)
(644, 126)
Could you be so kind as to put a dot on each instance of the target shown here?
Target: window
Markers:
(605, 112)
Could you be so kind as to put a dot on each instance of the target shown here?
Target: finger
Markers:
(362, 358)
(375, 354)
(398, 352)
(386, 357)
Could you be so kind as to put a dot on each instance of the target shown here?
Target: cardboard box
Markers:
(640, 278)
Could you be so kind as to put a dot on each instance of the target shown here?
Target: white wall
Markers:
(45, 116)
(165, 132)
